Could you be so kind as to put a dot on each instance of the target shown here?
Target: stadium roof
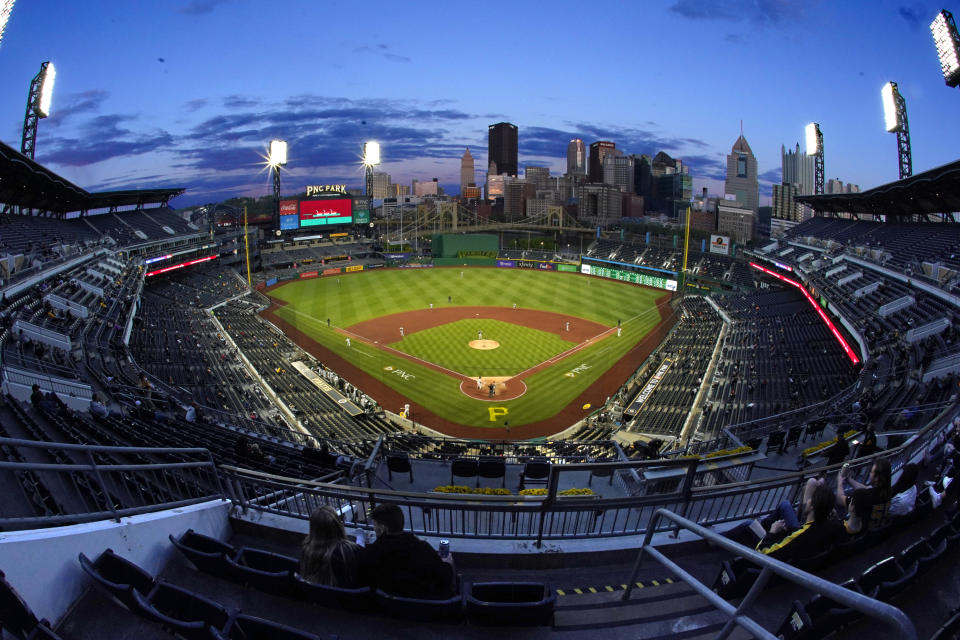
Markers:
(933, 191)
(26, 183)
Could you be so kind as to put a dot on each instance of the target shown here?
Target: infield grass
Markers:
(352, 298)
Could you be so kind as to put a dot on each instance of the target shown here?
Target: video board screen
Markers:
(289, 221)
(324, 212)
(629, 276)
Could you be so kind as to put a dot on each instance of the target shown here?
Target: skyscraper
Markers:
(797, 168)
(466, 171)
(618, 170)
(576, 158)
(502, 147)
(742, 181)
(598, 150)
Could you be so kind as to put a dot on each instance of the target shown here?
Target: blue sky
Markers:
(189, 92)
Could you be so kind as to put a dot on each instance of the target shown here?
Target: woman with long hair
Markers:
(328, 556)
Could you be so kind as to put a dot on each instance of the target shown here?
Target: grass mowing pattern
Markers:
(448, 346)
(370, 294)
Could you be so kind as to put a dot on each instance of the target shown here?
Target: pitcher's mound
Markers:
(484, 345)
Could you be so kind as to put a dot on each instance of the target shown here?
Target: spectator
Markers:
(97, 408)
(36, 396)
(191, 414)
(904, 491)
(838, 452)
(146, 385)
(868, 505)
(815, 535)
(402, 564)
(328, 557)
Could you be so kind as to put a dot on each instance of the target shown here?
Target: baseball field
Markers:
(476, 352)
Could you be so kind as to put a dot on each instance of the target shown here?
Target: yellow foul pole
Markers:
(246, 243)
(686, 250)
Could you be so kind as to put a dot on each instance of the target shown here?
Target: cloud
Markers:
(914, 15)
(762, 12)
(199, 7)
(102, 138)
(239, 102)
(194, 105)
(544, 141)
(383, 51)
(733, 38)
(78, 103)
(772, 176)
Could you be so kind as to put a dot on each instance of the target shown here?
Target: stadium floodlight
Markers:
(371, 153)
(945, 37)
(38, 106)
(895, 118)
(890, 107)
(6, 7)
(278, 153)
(371, 158)
(815, 148)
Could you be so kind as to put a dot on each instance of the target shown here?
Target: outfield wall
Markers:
(449, 245)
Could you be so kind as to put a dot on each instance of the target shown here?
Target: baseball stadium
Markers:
(325, 414)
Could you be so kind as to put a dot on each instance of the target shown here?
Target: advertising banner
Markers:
(506, 263)
(354, 267)
(629, 276)
(396, 256)
(720, 244)
(271, 282)
(331, 272)
(361, 216)
(648, 389)
(567, 267)
(414, 265)
(289, 222)
(308, 274)
(288, 207)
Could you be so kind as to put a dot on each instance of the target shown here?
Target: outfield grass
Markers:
(366, 295)
(449, 346)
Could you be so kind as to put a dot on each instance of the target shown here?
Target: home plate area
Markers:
(504, 387)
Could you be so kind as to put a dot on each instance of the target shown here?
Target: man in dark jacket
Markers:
(402, 564)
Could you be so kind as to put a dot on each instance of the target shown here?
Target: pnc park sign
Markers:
(326, 188)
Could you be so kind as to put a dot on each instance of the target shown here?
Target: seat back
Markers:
(448, 610)
(205, 544)
(184, 611)
(119, 577)
(43, 632)
(887, 570)
(15, 615)
(536, 470)
(243, 627)
(494, 467)
(213, 562)
(358, 599)
(464, 468)
(398, 462)
(510, 603)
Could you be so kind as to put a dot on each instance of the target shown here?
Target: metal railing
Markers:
(695, 488)
(83, 483)
(736, 616)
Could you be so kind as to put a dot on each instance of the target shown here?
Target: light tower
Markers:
(38, 106)
(815, 148)
(277, 159)
(945, 37)
(371, 158)
(895, 117)
(6, 6)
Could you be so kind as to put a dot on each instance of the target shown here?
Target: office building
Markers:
(599, 204)
(736, 221)
(742, 180)
(502, 148)
(576, 158)
(598, 150)
(797, 168)
(539, 176)
(466, 171)
(380, 185)
(618, 170)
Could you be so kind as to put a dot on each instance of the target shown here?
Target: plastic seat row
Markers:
(491, 603)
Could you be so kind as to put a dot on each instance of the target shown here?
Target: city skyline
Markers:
(189, 94)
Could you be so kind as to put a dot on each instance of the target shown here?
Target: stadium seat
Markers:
(600, 473)
(359, 599)
(880, 580)
(119, 577)
(207, 554)
(43, 632)
(399, 462)
(262, 570)
(16, 617)
(448, 610)
(492, 467)
(536, 470)
(509, 603)
(949, 630)
(185, 613)
(242, 627)
(463, 468)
